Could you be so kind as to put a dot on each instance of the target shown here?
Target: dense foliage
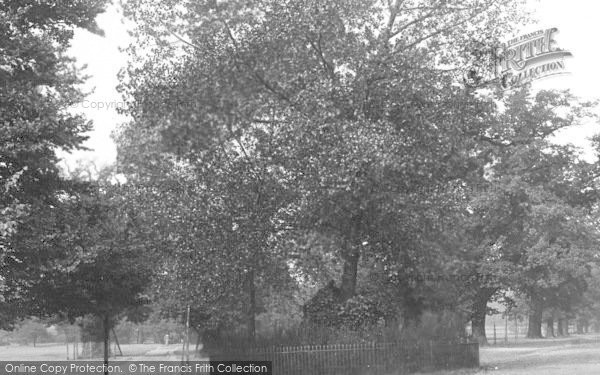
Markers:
(38, 83)
(303, 141)
(345, 167)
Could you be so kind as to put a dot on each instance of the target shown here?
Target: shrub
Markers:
(359, 311)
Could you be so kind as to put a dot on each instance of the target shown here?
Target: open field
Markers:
(572, 355)
(58, 352)
(579, 355)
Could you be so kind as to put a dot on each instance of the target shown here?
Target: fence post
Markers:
(431, 352)
(372, 357)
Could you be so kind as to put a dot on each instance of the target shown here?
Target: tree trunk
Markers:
(550, 327)
(198, 340)
(479, 313)
(561, 327)
(106, 337)
(251, 316)
(349, 275)
(534, 329)
(566, 329)
(478, 329)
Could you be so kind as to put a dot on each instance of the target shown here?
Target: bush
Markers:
(5, 338)
(442, 327)
(327, 309)
(359, 311)
(323, 308)
(439, 327)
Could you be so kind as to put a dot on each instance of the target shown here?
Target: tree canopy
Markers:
(39, 82)
(354, 160)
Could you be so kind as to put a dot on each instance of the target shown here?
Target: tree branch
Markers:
(450, 27)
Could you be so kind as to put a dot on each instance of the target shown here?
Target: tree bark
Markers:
(534, 329)
(561, 326)
(251, 317)
(349, 274)
(198, 340)
(550, 327)
(479, 313)
(106, 337)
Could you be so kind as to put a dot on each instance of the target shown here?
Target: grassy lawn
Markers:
(573, 355)
(58, 352)
(578, 355)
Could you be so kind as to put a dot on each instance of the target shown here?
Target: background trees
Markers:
(533, 192)
(31, 331)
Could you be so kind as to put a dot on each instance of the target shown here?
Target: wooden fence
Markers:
(359, 359)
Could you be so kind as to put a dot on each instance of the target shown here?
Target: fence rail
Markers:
(363, 358)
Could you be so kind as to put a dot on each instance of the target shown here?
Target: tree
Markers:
(213, 224)
(83, 256)
(344, 107)
(588, 310)
(533, 192)
(38, 82)
(31, 330)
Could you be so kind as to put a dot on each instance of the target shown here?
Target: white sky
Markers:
(577, 21)
(104, 59)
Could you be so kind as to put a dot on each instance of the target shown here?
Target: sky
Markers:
(103, 59)
(577, 23)
(576, 20)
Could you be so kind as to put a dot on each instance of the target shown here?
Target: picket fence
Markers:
(359, 359)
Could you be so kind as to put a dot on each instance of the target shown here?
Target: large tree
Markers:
(356, 109)
(39, 82)
(84, 255)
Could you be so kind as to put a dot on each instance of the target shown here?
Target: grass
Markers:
(572, 355)
(560, 356)
(58, 352)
